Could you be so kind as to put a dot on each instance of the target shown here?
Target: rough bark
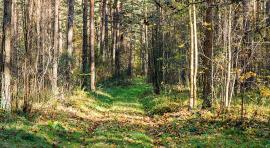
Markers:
(6, 57)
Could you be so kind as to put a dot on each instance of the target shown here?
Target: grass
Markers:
(131, 116)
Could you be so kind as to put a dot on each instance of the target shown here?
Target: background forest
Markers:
(135, 73)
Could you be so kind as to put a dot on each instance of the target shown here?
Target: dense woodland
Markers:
(135, 73)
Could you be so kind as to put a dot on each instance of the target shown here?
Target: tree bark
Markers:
(191, 91)
(207, 59)
(55, 48)
(70, 27)
(92, 47)
(157, 53)
(85, 43)
(6, 57)
(102, 28)
(196, 55)
(229, 65)
(118, 40)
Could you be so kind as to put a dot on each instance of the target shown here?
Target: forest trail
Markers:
(112, 116)
(125, 119)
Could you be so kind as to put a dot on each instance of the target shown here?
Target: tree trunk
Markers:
(92, 47)
(191, 92)
(106, 35)
(118, 40)
(157, 54)
(55, 48)
(6, 57)
(229, 65)
(207, 59)
(113, 34)
(70, 27)
(85, 43)
(196, 55)
(130, 59)
(102, 28)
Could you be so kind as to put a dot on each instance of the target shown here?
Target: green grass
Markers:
(130, 115)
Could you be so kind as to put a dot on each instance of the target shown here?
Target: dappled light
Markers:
(135, 73)
(117, 116)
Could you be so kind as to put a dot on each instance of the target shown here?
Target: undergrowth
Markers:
(129, 115)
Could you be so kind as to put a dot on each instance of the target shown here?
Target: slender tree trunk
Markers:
(191, 92)
(114, 35)
(6, 57)
(70, 24)
(85, 43)
(92, 47)
(229, 56)
(15, 43)
(61, 50)
(118, 40)
(106, 35)
(207, 59)
(196, 55)
(70, 27)
(55, 48)
(157, 54)
(193, 56)
(102, 28)
(130, 60)
(146, 61)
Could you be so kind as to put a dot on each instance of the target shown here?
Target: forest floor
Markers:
(129, 115)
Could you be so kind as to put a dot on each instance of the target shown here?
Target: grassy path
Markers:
(125, 121)
(111, 117)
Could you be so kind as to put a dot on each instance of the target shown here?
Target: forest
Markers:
(135, 73)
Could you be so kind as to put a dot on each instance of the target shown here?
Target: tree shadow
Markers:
(121, 135)
(20, 138)
(200, 132)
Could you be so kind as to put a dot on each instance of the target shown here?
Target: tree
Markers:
(55, 48)
(103, 7)
(6, 57)
(92, 47)
(229, 65)
(118, 39)
(157, 53)
(85, 43)
(70, 27)
(207, 58)
(193, 56)
(70, 36)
